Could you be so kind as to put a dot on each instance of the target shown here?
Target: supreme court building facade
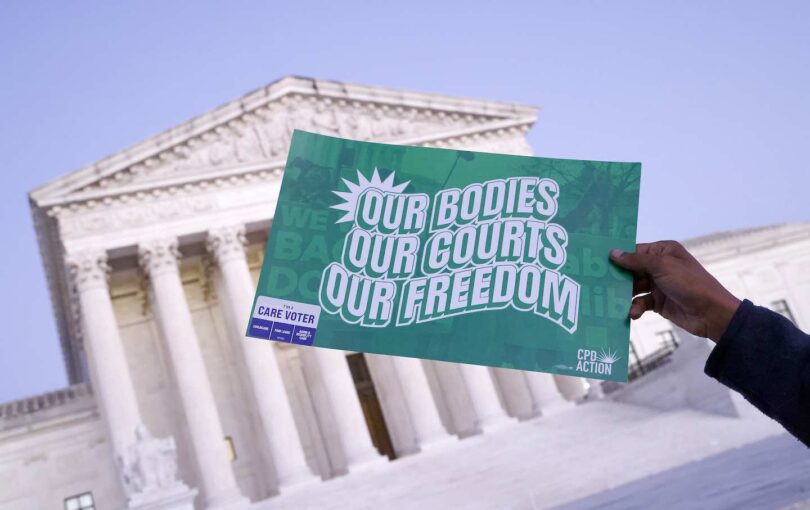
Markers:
(151, 257)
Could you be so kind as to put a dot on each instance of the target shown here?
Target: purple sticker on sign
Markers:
(303, 335)
(281, 332)
(260, 328)
(284, 321)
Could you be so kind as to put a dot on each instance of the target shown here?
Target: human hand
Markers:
(668, 280)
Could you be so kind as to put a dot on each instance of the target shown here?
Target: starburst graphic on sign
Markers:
(608, 356)
(355, 190)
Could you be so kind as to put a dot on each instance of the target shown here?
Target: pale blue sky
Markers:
(712, 97)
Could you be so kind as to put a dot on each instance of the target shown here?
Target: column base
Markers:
(555, 407)
(496, 422)
(297, 483)
(369, 462)
(231, 501)
(594, 390)
(179, 497)
(438, 443)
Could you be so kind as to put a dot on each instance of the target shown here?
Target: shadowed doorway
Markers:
(370, 404)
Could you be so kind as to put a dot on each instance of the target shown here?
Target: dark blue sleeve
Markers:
(763, 356)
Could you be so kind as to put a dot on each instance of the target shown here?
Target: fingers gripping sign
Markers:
(668, 280)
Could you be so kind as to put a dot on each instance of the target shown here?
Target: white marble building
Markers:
(151, 257)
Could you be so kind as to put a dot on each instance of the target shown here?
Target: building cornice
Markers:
(38, 410)
(725, 245)
(164, 146)
(247, 173)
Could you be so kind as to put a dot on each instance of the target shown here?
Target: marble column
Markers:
(159, 260)
(425, 418)
(571, 387)
(329, 370)
(113, 387)
(286, 452)
(595, 389)
(546, 398)
(112, 383)
(484, 397)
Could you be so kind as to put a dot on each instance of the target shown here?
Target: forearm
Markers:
(766, 358)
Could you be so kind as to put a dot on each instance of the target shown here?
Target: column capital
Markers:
(226, 243)
(88, 269)
(159, 256)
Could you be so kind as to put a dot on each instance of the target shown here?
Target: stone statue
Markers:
(149, 464)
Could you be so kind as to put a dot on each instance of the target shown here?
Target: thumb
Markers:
(636, 262)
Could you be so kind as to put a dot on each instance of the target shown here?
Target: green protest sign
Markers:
(451, 255)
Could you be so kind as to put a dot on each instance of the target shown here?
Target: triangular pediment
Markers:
(254, 132)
